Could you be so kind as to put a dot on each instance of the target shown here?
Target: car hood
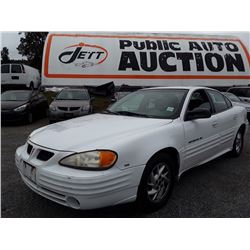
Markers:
(9, 105)
(92, 131)
(70, 103)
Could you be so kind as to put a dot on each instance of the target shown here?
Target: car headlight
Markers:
(85, 107)
(92, 160)
(248, 109)
(52, 108)
(21, 108)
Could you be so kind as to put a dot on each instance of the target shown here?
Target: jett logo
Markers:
(83, 55)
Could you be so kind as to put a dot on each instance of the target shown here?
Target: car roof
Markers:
(181, 87)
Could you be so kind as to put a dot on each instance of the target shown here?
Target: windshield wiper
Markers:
(107, 111)
(131, 114)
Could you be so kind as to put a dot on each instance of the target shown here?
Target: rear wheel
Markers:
(238, 144)
(157, 182)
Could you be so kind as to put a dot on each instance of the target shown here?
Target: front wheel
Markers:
(29, 117)
(238, 144)
(157, 182)
(31, 86)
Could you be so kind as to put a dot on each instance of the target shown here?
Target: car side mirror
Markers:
(92, 98)
(198, 113)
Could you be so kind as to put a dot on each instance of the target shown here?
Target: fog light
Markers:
(73, 202)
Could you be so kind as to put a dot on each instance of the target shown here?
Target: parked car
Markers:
(242, 92)
(19, 75)
(135, 150)
(70, 103)
(22, 105)
(237, 101)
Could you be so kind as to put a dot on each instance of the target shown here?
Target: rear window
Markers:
(219, 101)
(5, 68)
(16, 68)
(229, 104)
(232, 97)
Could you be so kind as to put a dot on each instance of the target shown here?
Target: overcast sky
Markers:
(11, 40)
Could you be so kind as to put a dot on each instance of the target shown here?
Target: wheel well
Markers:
(243, 128)
(173, 153)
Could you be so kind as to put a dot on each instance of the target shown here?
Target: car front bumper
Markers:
(12, 116)
(65, 115)
(79, 189)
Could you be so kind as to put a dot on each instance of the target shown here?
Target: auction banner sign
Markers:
(132, 58)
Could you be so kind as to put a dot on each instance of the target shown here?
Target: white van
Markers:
(17, 74)
(145, 59)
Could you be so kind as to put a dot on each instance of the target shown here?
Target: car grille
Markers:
(29, 149)
(68, 108)
(44, 155)
(63, 108)
(74, 108)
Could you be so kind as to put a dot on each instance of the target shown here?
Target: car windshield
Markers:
(232, 97)
(152, 103)
(72, 95)
(16, 96)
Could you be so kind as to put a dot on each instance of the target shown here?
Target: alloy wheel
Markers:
(238, 142)
(158, 183)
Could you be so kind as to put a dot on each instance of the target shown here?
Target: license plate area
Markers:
(68, 115)
(29, 171)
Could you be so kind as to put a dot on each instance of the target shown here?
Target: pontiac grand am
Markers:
(134, 150)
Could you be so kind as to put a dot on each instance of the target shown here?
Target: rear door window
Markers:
(15, 68)
(219, 101)
(5, 68)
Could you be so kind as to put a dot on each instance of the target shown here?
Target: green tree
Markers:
(5, 55)
(31, 45)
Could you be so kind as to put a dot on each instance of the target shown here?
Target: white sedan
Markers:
(135, 150)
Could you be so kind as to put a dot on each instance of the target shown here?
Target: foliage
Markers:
(31, 45)
(5, 55)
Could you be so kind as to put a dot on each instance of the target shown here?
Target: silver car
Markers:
(70, 103)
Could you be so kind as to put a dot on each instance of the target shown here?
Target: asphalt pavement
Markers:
(220, 188)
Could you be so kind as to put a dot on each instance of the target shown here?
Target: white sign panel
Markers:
(111, 57)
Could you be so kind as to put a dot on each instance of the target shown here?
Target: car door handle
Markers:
(215, 124)
(235, 117)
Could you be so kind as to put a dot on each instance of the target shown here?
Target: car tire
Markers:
(31, 86)
(238, 144)
(157, 182)
(46, 112)
(30, 117)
